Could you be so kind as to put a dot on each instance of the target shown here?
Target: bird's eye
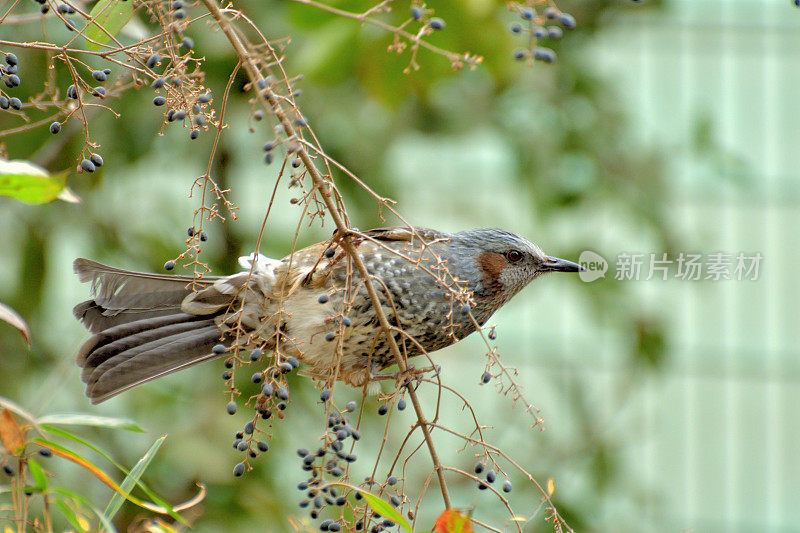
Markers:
(514, 256)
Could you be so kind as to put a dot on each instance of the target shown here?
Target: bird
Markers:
(435, 288)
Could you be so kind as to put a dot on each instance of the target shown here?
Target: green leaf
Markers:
(38, 475)
(31, 184)
(158, 505)
(108, 18)
(132, 479)
(381, 507)
(107, 524)
(70, 515)
(91, 420)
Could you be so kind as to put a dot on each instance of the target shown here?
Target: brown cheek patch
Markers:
(492, 265)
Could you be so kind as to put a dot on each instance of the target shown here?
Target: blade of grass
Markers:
(70, 515)
(66, 493)
(132, 479)
(38, 474)
(70, 419)
(159, 506)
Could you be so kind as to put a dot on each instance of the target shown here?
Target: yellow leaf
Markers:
(11, 434)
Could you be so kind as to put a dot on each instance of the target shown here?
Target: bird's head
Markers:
(503, 262)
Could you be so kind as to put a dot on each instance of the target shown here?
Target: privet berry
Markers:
(242, 446)
(330, 336)
(491, 476)
(486, 377)
(323, 299)
(159, 101)
(325, 395)
(568, 21)
(97, 159)
(4, 102)
(204, 98)
(257, 377)
(416, 13)
(188, 43)
(157, 83)
(153, 60)
(231, 407)
(99, 75)
(507, 486)
(203, 236)
(55, 127)
(238, 470)
(392, 480)
(15, 103)
(329, 252)
(267, 389)
(169, 265)
(194, 134)
(401, 405)
(249, 428)
(87, 165)
(262, 446)
(478, 467)
(255, 355)
(218, 349)
(382, 410)
(436, 23)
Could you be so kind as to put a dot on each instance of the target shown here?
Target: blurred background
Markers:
(664, 127)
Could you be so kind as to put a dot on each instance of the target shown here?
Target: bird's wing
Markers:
(404, 233)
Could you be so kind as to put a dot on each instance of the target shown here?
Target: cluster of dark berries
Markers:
(331, 460)
(64, 10)
(9, 72)
(90, 164)
(490, 478)
(177, 10)
(245, 441)
(434, 23)
(540, 26)
(192, 107)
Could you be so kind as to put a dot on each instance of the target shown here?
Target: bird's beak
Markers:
(554, 264)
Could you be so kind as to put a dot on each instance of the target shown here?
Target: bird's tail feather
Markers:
(140, 331)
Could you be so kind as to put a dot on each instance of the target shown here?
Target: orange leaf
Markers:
(11, 434)
(453, 521)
